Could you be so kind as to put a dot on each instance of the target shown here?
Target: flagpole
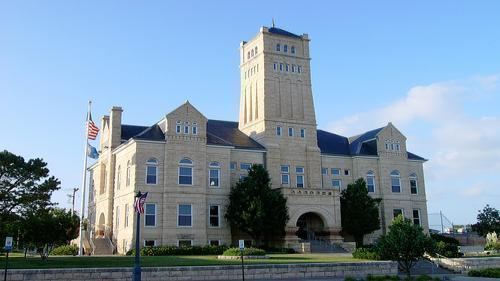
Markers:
(84, 181)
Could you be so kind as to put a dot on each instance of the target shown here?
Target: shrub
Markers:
(179, 251)
(365, 254)
(446, 246)
(246, 252)
(487, 272)
(492, 242)
(65, 250)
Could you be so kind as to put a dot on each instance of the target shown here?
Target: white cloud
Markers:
(461, 140)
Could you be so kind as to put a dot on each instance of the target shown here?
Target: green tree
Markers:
(488, 220)
(359, 212)
(405, 243)
(46, 229)
(257, 209)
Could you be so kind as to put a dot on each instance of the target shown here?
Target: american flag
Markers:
(139, 202)
(92, 129)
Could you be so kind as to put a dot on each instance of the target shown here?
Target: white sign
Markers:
(8, 243)
(242, 244)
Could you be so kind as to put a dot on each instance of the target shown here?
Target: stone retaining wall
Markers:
(198, 273)
(466, 264)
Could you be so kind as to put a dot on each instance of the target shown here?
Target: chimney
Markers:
(115, 127)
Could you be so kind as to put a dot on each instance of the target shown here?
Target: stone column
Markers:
(334, 235)
(291, 236)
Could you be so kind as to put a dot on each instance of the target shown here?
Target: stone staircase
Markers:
(322, 246)
(102, 246)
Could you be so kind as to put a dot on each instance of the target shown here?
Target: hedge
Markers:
(487, 272)
(366, 254)
(65, 250)
(246, 252)
(180, 251)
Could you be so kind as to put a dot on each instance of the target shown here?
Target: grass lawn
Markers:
(127, 261)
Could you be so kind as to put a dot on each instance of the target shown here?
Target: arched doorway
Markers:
(101, 225)
(310, 226)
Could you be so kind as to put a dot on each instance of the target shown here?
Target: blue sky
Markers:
(432, 68)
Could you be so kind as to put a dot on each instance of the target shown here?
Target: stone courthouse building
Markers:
(188, 163)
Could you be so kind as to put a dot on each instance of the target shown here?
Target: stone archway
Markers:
(310, 226)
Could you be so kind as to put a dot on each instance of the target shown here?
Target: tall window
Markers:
(397, 212)
(285, 174)
(186, 128)
(292, 50)
(126, 215)
(104, 180)
(395, 182)
(118, 177)
(294, 67)
(413, 184)
(178, 126)
(184, 215)
(287, 67)
(300, 176)
(233, 166)
(214, 215)
(416, 216)
(324, 171)
(186, 171)
(275, 66)
(150, 214)
(278, 131)
(117, 217)
(252, 53)
(256, 50)
(151, 171)
(302, 133)
(370, 181)
(194, 129)
(127, 180)
(281, 67)
(337, 184)
(214, 174)
(290, 132)
(285, 48)
(299, 69)
(278, 47)
(248, 55)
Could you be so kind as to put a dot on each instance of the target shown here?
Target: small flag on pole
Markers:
(92, 152)
(139, 203)
(92, 129)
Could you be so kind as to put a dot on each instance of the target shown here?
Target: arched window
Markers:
(285, 48)
(292, 49)
(214, 174)
(255, 50)
(118, 177)
(186, 171)
(152, 171)
(248, 55)
(413, 184)
(278, 47)
(127, 180)
(252, 53)
(194, 129)
(370, 181)
(395, 182)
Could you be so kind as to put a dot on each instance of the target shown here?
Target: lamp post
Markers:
(140, 198)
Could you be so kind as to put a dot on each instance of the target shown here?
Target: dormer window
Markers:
(278, 47)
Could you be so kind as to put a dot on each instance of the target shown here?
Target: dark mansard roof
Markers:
(226, 133)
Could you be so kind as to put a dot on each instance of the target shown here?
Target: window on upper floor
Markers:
(214, 174)
(290, 132)
(233, 166)
(275, 66)
(287, 67)
(278, 47)
(245, 166)
(413, 184)
(178, 127)
(335, 172)
(186, 171)
(294, 68)
(126, 215)
(300, 176)
(285, 48)
(337, 184)
(292, 50)
(151, 171)
(149, 214)
(256, 50)
(127, 179)
(252, 53)
(185, 215)
(324, 171)
(248, 55)
(281, 67)
(186, 128)
(194, 129)
(397, 212)
(214, 215)
(299, 69)
(395, 182)
(278, 131)
(370, 181)
(416, 216)
(104, 180)
(347, 172)
(118, 177)
(285, 174)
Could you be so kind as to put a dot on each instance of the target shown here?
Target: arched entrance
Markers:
(310, 226)
(101, 225)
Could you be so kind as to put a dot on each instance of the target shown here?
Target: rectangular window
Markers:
(397, 212)
(184, 243)
(149, 243)
(233, 166)
(335, 172)
(413, 186)
(275, 66)
(370, 183)
(186, 128)
(214, 176)
(285, 48)
(285, 177)
(278, 131)
(300, 176)
(184, 212)
(416, 217)
(293, 67)
(337, 184)
(117, 217)
(346, 172)
(214, 242)
(281, 67)
(178, 127)
(395, 184)
(324, 171)
(290, 132)
(245, 166)
(126, 215)
(299, 69)
(150, 215)
(186, 175)
(302, 133)
(151, 175)
(214, 215)
(287, 67)
(195, 130)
